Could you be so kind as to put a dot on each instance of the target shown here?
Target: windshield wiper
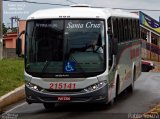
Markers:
(45, 67)
(83, 72)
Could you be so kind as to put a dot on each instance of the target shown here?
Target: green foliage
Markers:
(4, 28)
(11, 74)
(14, 29)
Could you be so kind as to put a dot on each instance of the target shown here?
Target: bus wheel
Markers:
(48, 106)
(117, 87)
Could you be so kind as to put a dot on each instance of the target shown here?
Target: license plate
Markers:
(64, 98)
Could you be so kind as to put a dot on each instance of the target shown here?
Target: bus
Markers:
(80, 54)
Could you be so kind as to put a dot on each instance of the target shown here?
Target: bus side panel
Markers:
(112, 84)
(129, 55)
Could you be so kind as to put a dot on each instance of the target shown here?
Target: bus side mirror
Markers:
(19, 46)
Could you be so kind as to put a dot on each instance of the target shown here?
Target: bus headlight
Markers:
(33, 86)
(95, 86)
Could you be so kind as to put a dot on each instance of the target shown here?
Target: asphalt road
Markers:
(144, 97)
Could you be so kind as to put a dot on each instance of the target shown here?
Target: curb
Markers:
(12, 97)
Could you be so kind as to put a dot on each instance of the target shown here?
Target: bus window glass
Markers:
(125, 29)
(134, 29)
(117, 27)
(52, 45)
(131, 27)
(138, 28)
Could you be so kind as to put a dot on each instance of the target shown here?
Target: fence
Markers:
(150, 51)
(9, 53)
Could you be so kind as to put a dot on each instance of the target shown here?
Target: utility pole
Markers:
(16, 20)
(1, 31)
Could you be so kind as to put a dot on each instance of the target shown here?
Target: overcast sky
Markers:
(22, 10)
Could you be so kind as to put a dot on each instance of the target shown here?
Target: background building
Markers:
(150, 34)
(22, 25)
(9, 41)
(1, 43)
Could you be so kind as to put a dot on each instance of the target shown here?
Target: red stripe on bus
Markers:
(122, 51)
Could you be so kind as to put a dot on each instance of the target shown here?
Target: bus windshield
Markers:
(65, 48)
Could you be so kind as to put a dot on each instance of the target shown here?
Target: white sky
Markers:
(22, 10)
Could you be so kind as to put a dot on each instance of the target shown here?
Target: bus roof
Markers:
(80, 12)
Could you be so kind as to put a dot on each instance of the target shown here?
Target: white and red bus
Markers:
(80, 54)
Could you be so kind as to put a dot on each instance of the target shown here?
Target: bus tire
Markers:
(117, 88)
(131, 87)
(48, 106)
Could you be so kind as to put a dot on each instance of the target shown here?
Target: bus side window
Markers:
(131, 29)
(138, 28)
(124, 29)
(123, 32)
(120, 29)
(127, 23)
(134, 29)
(117, 27)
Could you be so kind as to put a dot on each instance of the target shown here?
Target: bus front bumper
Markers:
(96, 96)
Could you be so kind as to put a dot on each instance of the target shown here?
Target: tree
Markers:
(14, 29)
(4, 28)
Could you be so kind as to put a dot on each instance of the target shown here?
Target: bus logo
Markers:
(69, 66)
